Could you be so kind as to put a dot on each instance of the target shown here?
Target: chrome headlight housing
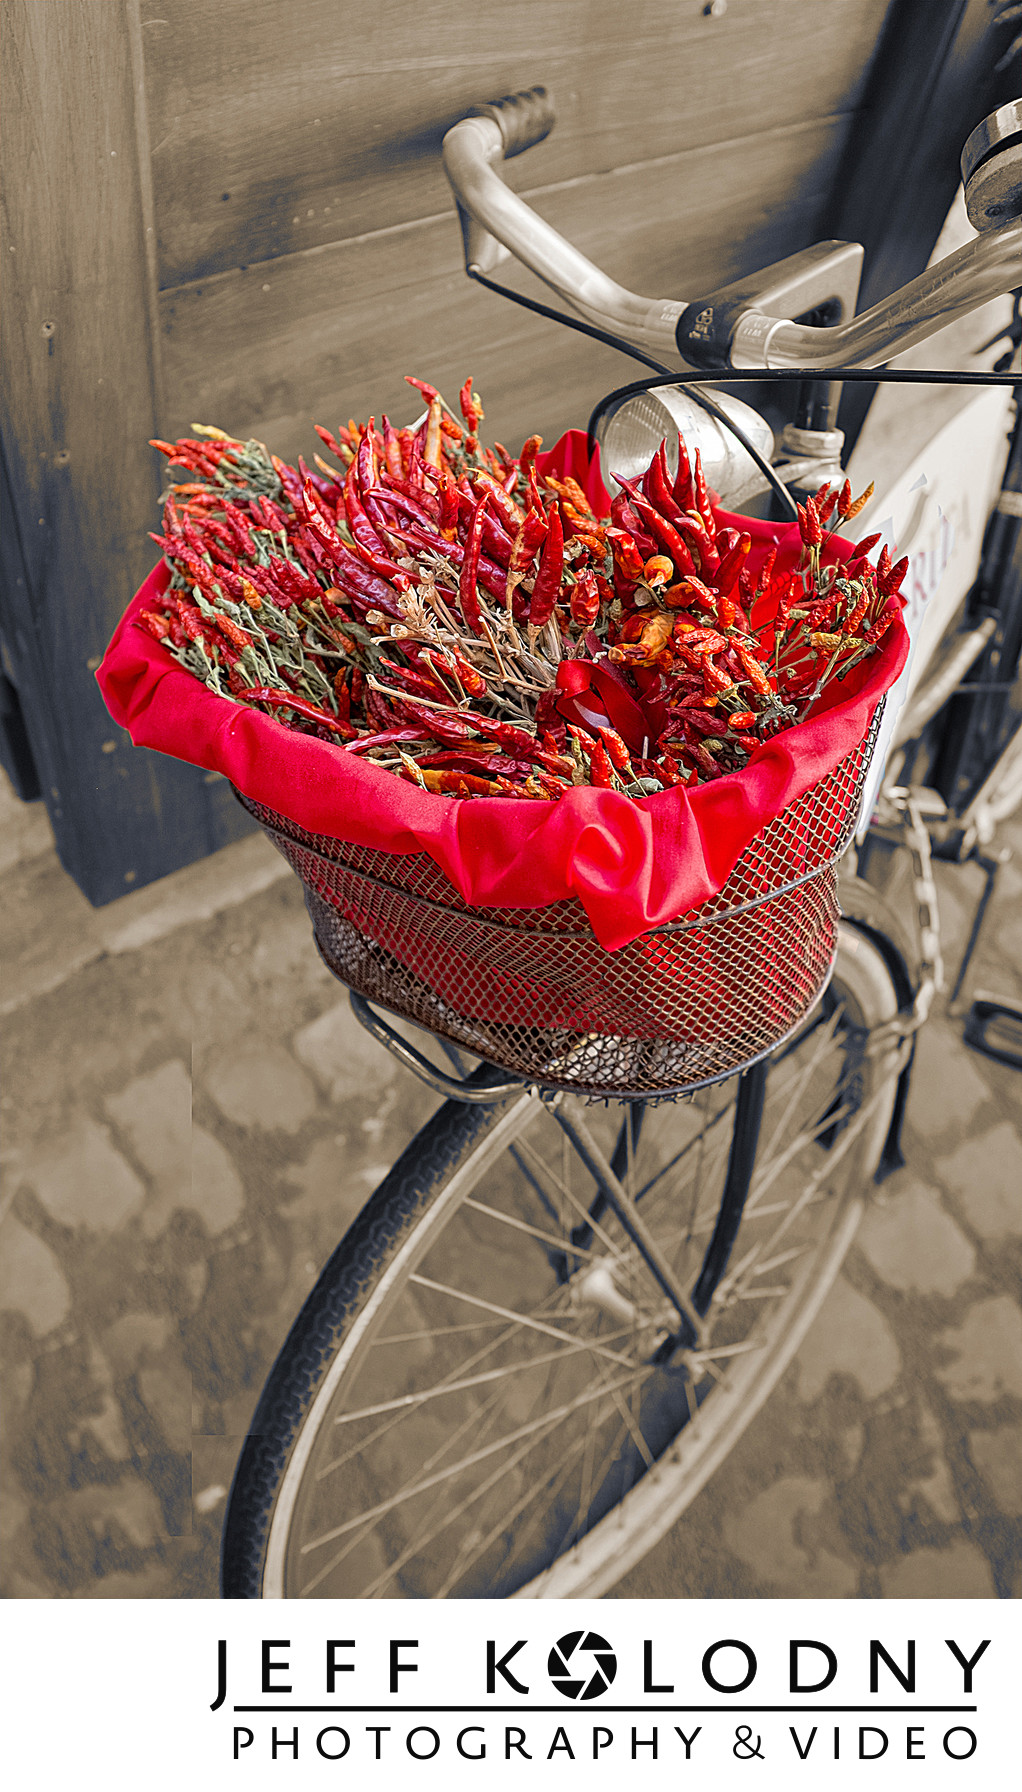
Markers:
(630, 434)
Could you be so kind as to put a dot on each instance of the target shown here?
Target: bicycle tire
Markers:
(376, 1332)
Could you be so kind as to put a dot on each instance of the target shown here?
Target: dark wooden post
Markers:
(80, 400)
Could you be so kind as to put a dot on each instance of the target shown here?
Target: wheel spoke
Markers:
(571, 1198)
(506, 1370)
(537, 1325)
(456, 1468)
(549, 1238)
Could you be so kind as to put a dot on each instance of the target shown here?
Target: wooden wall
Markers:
(235, 213)
(307, 253)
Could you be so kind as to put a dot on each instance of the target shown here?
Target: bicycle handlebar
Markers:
(495, 221)
(978, 271)
(730, 330)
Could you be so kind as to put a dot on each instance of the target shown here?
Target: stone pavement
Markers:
(191, 1118)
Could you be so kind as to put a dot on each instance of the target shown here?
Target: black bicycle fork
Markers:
(690, 1308)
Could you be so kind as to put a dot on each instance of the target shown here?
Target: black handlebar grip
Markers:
(524, 118)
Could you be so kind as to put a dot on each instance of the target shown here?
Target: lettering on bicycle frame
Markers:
(926, 566)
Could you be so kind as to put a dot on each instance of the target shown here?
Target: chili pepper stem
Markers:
(821, 681)
(451, 672)
(487, 631)
(387, 690)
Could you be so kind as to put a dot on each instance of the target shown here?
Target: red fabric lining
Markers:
(633, 865)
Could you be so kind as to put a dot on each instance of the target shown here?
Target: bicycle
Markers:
(547, 1328)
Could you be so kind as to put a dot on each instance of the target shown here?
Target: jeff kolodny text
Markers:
(574, 1694)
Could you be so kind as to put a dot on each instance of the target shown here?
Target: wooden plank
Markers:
(331, 333)
(80, 486)
(295, 123)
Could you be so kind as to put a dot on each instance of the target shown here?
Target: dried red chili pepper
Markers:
(531, 534)
(490, 576)
(601, 771)
(765, 574)
(700, 640)
(683, 488)
(809, 522)
(455, 783)
(887, 616)
(693, 590)
(726, 576)
(376, 559)
(628, 562)
(428, 392)
(232, 631)
(754, 671)
(826, 504)
(702, 544)
(413, 471)
(471, 409)
(585, 599)
(292, 580)
(656, 484)
(414, 684)
(331, 442)
(571, 492)
(155, 625)
(665, 532)
(311, 712)
(547, 586)
(617, 753)
(360, 527)
(526, 459)
(702, 494)
(392, 449)
(432, 440)
(422, 501)
(385, 738)
(469, 677)
(510, 514)
(888, 583)
(367, 587)
(859, 504)
(705, 722)
(855, 615)
(467, 592)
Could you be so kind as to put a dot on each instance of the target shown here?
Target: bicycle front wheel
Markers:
(488, 1393)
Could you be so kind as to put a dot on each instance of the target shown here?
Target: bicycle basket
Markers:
(533, 991)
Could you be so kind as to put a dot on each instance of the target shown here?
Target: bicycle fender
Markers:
(866, 909)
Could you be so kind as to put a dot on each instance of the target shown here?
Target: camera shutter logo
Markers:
(582, 1665)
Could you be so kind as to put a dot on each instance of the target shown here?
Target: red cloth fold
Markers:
(634, 865)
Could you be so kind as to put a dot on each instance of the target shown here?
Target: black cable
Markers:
(695, 388)
(663, 376)
(561, 317)
(893, 376)
(882, 376)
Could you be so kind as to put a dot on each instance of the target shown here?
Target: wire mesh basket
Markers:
(532, 990)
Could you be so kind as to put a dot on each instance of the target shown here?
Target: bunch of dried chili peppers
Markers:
(468, 623)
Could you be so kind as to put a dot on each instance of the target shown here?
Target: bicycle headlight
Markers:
(630, 435)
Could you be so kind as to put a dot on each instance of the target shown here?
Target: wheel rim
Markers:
(498, 1404)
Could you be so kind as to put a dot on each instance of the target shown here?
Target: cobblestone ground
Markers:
(192, 1119)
